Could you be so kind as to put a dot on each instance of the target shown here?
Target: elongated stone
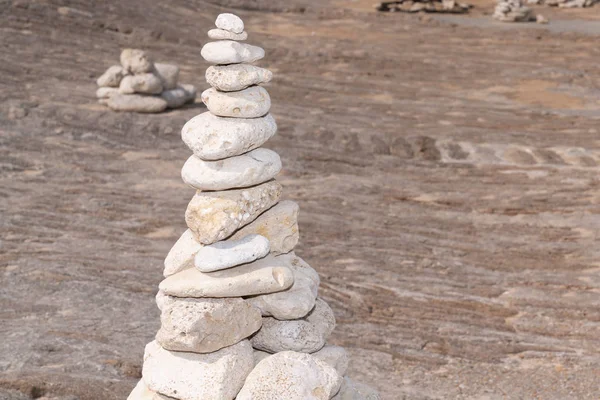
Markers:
(181, 256)
(193, 376)
(143, 83)
(214, 216)
(266, 275)
(205, 325)
(279, 224)
(230, 253)
(214, 138)
(168, 75)
(230, 22)
(112, 77)
(335, 356)
(322, 317)
(250, 169)
(295, 335)
(136, 103)
(222, 34)
(230, 78)
(106, 92)
(248, 103)
(231, 52)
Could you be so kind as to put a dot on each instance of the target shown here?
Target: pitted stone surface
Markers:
(229, 78)
(230, 253)
(222, 34)
(181, 256)
(252, 102)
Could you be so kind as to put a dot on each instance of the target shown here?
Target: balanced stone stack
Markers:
(139, 85)
(240, 312)
(513, 11)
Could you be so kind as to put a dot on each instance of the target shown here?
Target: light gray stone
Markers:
(290, 376)
(177, 97)
(135, 61)
(335, 356)
(214, 216)
(214, 138)
(168, 74)
(322, 317)
(190, 90)
(147, 83)
(221, 34)
(230, 22)
(355, 391)
(205, 325)
(230, 78)
(247, 103)
(136, 103)
(250, 169)
(193, 376)
(106, 92)
(181, 256)
(230, 253)
(260, 355)
(295, 335)
(231, 52)
(279, 224)
(112, 77)
(141, 392)
(266, 275)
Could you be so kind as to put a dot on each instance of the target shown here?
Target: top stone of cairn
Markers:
(230, 22)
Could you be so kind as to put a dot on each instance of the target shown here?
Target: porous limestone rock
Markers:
(230, 22)
(135, 61)
(290, 376)
(230, 253)
(193, 376)
(222, 34)
(214, 138)
(267, 275)
(106, 92)
(295, 335)
(147, 83)
(247, 103)
(229, 78)
(214, 216)
(181, 256)
(278, 224)
(136, 103)
(231, 52)
(112, 77)
(250, 169)
(205, 325)
(335, 356)
(351, 390)
(168, 75)
(322, 317)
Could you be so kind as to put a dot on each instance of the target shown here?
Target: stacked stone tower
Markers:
(240, 315)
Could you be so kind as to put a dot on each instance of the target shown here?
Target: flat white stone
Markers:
(135, 61)
(193, 376)
(295, 335)
(205, 325)
(106, 92)
(322, 317)
(290, 376)
(136, 103)
(295, 302)
(230, 78)
(168, 74)
(112, 77)
(248, 103)
(181, 256)
(231, 52)
(335, 356)
(147, 83)
(230, 253)
(266, 275)
(222, 34)
(351, 390)
(278, 224)
(250, 169)
(230, 22)
(214, 138)
(214, 216)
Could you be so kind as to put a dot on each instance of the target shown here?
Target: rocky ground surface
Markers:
(447, 176)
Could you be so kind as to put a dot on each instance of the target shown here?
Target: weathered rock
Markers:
(106, 92)
(279, 224)
(260, 355)
(295, 302)
(205, 325)
(230, 22)
(335, 356)
(177, 97)
(214, 216)
(322, 317)
(295, 335)
(136, 103)
(266, 275)
(135, 61)
(142, 83)
(168, 75)
(141, 392)
(230, 253)
(214, 138)
(181, 256)
(222, 34)
(112, 77)
(190, 90)
(290, 376)
(161, 298)
(350, 390)
(250, 169)
(248, 103)
(231, 52)
(193, 376)
(229, 78)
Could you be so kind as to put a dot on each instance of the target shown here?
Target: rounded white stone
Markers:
(230, 253)
(222, 34)
(112, 77)
(230, 78)
(248, 103)
(230, 22)
(250, 169)
(231, 52)
(142, 83)
(214, 138)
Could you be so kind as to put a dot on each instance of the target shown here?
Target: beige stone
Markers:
(112, 77)
(222, 34)
(322, 317)
(335, 356)
(106, 92)
(251, 102)
(135, 61)
(147, 83)
(295, 335)
(231, 52)
(136, 103)
(355, 391)
(230, 22)
(234, 77)
(181, 256)
(168, 75)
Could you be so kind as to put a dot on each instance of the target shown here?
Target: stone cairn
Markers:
(513, 11)
(139, 85)
(240, 315)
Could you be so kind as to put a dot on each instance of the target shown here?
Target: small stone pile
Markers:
(139, 85)
(428, 6)
(240, 312)
(566, 3)
(513, 11)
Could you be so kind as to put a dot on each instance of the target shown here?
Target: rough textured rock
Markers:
(177, 97)
(231, 52)
(229, 78)
(136, 103)
(322, 317)
(214, 216)
(135, 61)
(205, 325)
(295, 335)
(290, 376)
(213, 138)
(295, 302)
(513, 11)
(193, 376)
(106, 92)
(267, 275)
(168, 75)
(247, 103)
(229, 253)
(279, 224)
(112, 77)
(250, 169)
(351, 390)
(335, 356)
(230, 22)
(221, 34)
(181, 256)
(148, 83)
